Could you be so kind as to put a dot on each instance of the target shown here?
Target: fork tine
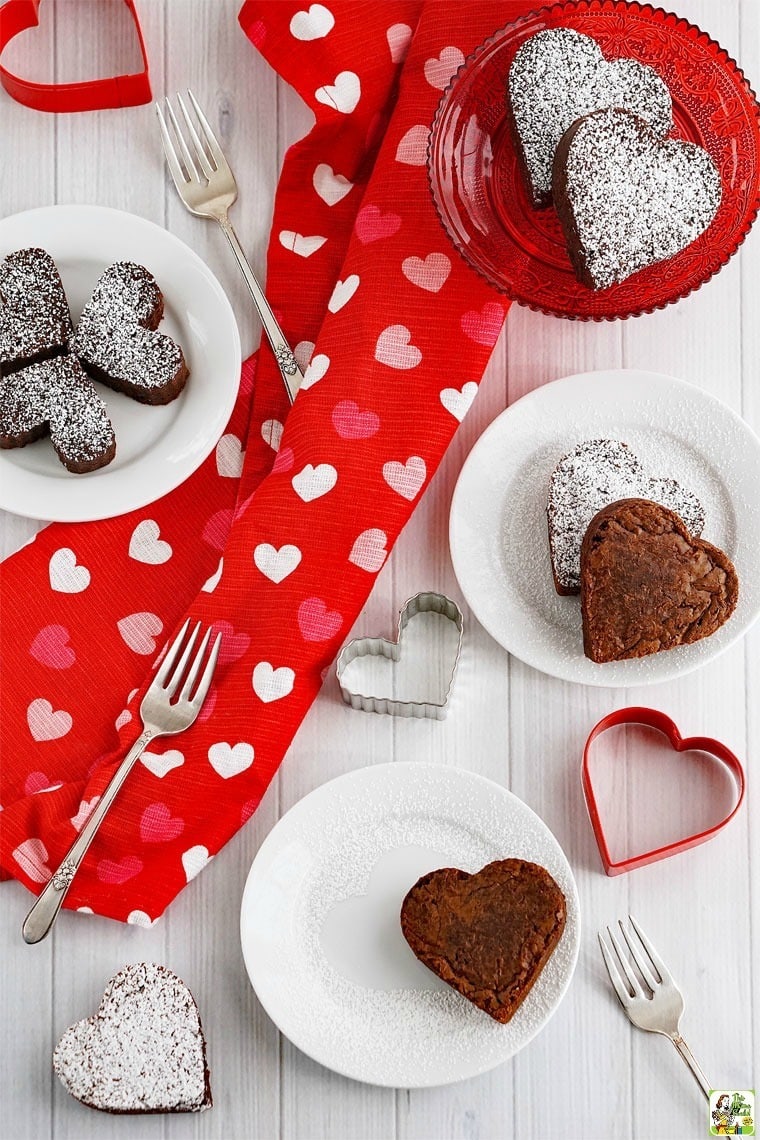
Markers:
(614, 973)
(200, 152)
(216, 151)
(187, 158)
(205, 682)
(654, 957)
(171, 656)
(630, 977)
(638, 958)
(173, 683)
(177, 173)
(195, 668)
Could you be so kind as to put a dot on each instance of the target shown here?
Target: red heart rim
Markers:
(662, 723)
(90, 95)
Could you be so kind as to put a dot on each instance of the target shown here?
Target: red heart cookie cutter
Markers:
(90, 95)
(662, 723)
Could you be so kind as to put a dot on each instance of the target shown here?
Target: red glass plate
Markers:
(481, 198)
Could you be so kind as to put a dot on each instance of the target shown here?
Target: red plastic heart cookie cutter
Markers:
(662, 723)
(90, 95)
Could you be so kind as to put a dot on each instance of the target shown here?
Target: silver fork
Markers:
(208, 188)
(658, 1010)
(161, 717)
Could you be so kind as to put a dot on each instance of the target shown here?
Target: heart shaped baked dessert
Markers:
(488, 935)
(648, 585)
(559, 75)
(56, 397)
(116, 339)
(143, 1051)
(35, 322)
(627, 198)
(594, 474)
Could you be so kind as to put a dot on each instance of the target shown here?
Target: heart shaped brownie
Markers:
(488, 935)
(594, 474)
(35, 322)
(648, 585)
(627, 198)
(559, 75)
(117, 342)
(56, 397)
(143, 1051)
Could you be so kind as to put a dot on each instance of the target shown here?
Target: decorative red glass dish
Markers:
(479, 192)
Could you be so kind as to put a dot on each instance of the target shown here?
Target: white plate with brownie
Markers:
(387, 894)
(605, 528)
(120, 362)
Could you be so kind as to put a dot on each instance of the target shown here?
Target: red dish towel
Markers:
(281, 557)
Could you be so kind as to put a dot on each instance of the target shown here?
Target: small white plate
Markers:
(321, 934)
(498, 529)
(157, 448)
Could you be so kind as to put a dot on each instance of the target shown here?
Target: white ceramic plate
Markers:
(320, 926)
(157, 448)
(498, 530)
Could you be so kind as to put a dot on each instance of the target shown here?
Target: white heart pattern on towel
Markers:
(139, 631)
(270, 684)
(276, 564)
(343, 292)
(313, 482)
(194, 860)
(162, 763)
(318, 365)
(66, 577)
(211, 583)
(438, 71)
(412, 149)
(83, 813)
(369, 550)
(229, 457)
(405, 478)
(343, 94)
(395, 349)
(313, 24)
(399, 36)
(45, 723)
(32, 856)
(458, 401)
(430, 274)
(230, 760)
(271, 433)
(331, 187)
(146, 546)
(299, 243)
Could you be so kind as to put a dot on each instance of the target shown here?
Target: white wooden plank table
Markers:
(588, 1075)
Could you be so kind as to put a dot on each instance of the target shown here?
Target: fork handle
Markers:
(43, 914)
(286, 361)
(687, 1055)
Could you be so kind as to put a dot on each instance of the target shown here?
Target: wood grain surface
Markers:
(589, 1075)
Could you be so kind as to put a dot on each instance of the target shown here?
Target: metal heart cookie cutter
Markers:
(380, 647)
(652, 718)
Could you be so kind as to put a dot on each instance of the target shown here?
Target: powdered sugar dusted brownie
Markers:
(143, 1051)
(627, 198)
(594, 474)
(35, 322)
(559, 75)
(56, 397)
(117, 342)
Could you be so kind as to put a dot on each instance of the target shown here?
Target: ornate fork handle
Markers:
(690, 1060)
(286, 361)
(43, 914)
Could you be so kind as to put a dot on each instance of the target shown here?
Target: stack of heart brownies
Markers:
(629, 543)
(591, 136)
(47, 368)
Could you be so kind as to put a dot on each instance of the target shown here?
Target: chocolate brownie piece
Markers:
(56, 397)
(648, 585)
(117, 342)
(35, 322)
(143, 1051)
(557, 76)
(627, 198)
(488, 935)
(594, 474)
